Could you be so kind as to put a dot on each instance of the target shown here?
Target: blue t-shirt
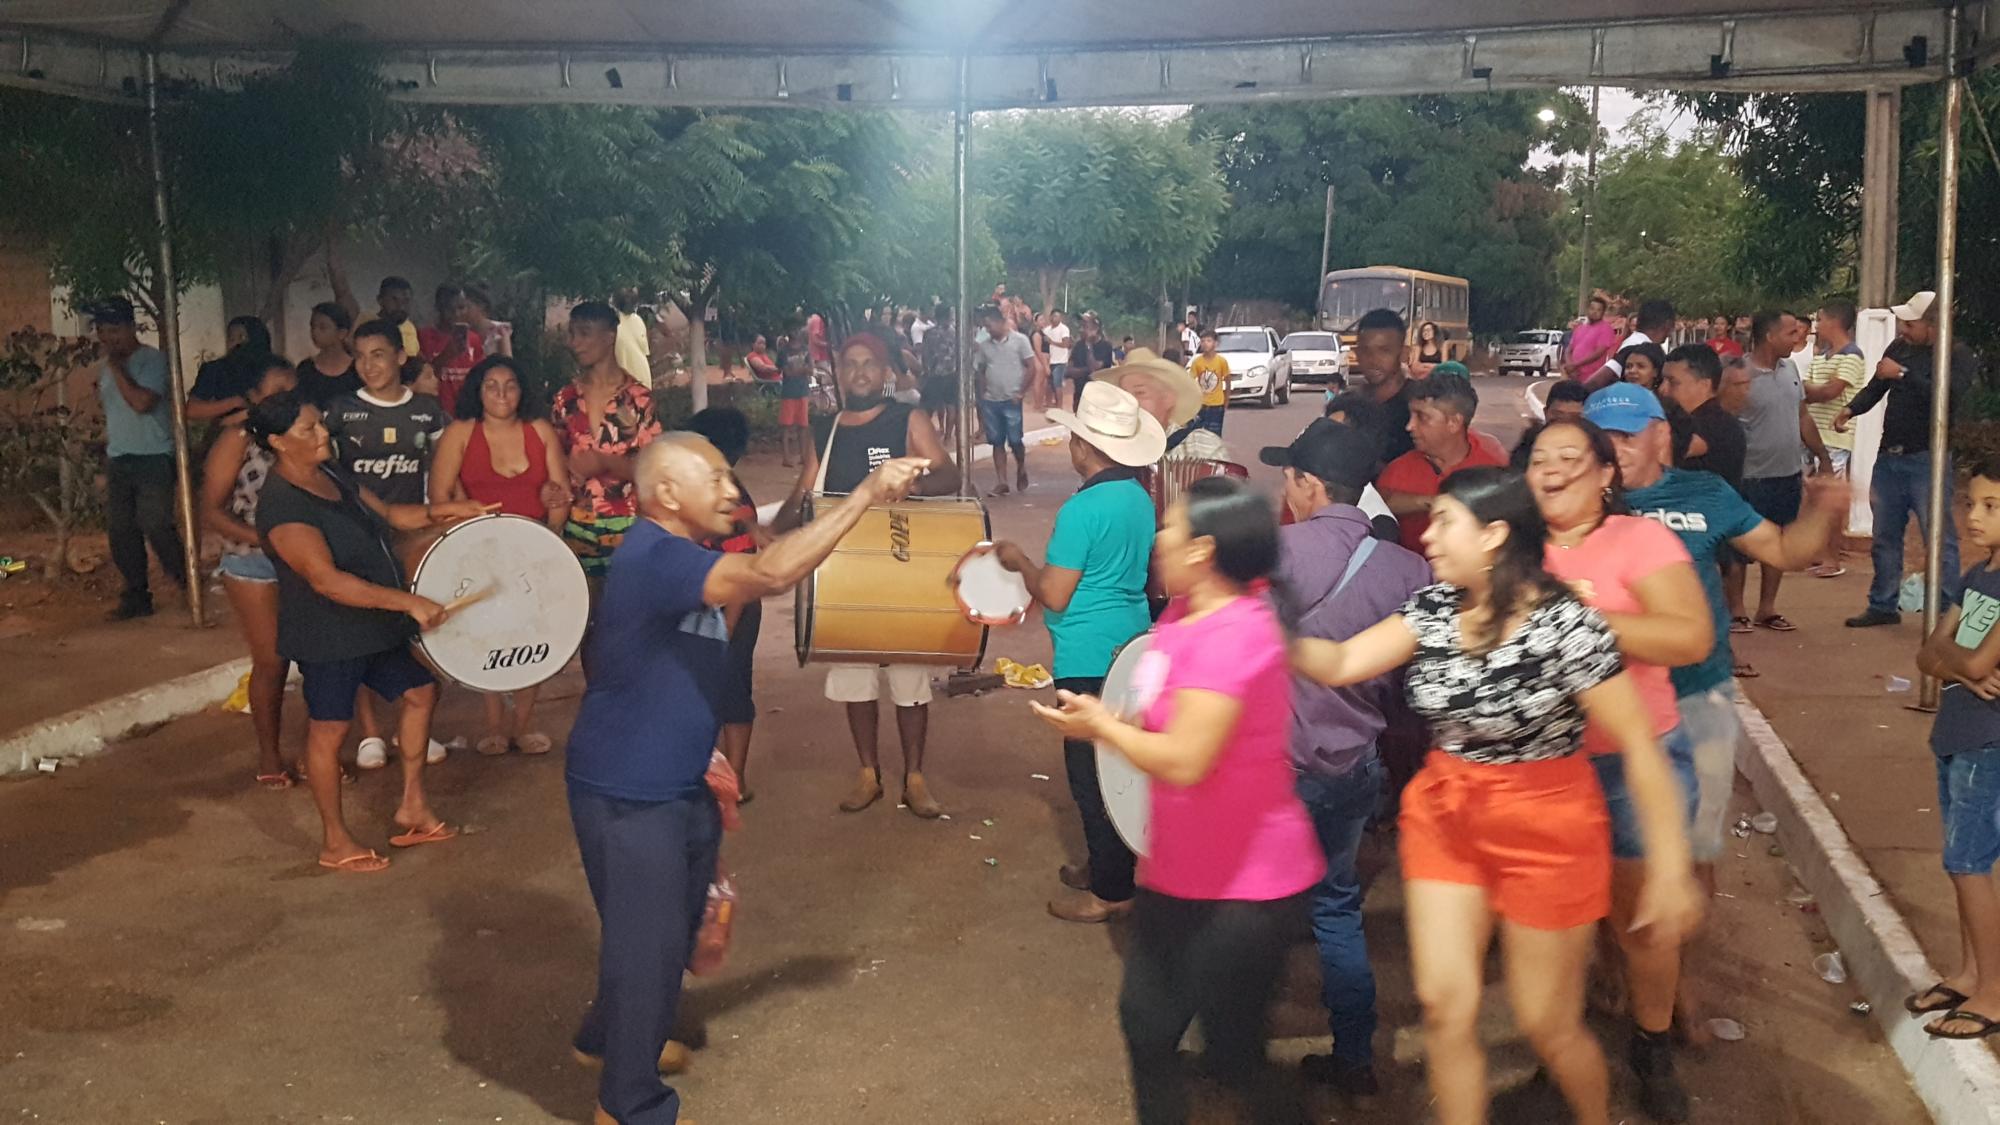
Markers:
(128, 433)
(1104, 532)
(658, 660)
(1706, 513)
(1964, 721)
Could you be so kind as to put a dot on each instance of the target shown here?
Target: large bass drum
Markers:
(884, 596)
(1128, 792)
(524, 602)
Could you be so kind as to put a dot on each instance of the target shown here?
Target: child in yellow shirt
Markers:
(1211, 373)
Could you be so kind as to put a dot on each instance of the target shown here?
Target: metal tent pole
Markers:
(1947, 269)
(1325, 244)
(1589, 208)
(170, 341)
(961, 142)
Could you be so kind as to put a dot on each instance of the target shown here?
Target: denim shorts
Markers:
(1002, 421)
(329, 686)
(1627, 842)
(254, 566)
(1712, 727)
(1968, 802)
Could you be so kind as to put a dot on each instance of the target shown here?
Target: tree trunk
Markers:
(698, 357)
(65, 513)
(1051, 279)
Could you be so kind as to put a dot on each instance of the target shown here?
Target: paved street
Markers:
(174, 955)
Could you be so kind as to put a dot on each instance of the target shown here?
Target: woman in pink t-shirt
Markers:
(1637, 573)
(1230, 851)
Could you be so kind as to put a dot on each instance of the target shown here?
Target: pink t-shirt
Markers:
(1239, 833)
(1623, 550)
(1590, 338)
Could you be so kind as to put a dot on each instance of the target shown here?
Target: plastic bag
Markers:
(238, 702)
(711, 942)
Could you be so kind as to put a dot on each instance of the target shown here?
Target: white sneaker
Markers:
(435, 753)
(372, 754)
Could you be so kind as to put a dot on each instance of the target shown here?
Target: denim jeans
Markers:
(1899, 489)
(1340, 806)
(1110, 862)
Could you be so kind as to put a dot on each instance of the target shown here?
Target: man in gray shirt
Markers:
(1778, 434)
(133, 386)
(1002, 363)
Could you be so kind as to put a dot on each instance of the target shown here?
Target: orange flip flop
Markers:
(436, 834)
(367, 863)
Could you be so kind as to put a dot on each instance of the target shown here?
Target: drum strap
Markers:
(833, 431)
(1355, 562)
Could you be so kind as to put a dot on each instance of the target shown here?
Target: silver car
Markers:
(1312, 357)
(1537, 351)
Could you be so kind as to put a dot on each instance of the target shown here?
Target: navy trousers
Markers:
(649, 864)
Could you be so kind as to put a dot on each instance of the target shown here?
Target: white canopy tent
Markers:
(970, 55)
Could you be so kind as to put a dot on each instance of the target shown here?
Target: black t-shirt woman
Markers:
(344, 616)
(329, 372)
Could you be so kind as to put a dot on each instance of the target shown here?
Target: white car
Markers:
(1254, 373)
(1312, 357)
(1537, 351)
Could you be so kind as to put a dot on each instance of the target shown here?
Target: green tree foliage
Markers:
(1131, 194)
(1669, 224)
(1433, 182)
(908, 249)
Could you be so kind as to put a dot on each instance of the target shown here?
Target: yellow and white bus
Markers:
(1415, 295)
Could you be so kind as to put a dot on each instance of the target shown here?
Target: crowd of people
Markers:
(1529, 661)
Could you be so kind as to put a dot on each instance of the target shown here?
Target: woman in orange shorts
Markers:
(1505, 820)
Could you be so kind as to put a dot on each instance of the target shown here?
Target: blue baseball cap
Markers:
(1623, 408)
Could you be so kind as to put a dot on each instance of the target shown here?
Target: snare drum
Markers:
(529, 603)
(884, 597)
(1128, 792)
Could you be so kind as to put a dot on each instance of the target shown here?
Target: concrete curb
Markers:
(86, 730)
(768, 512)
(1958, 1081)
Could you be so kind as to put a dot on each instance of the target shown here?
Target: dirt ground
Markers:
(175, 956)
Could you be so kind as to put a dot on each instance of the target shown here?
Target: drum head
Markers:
(989, 593)
(531, 610)
(1128, 792)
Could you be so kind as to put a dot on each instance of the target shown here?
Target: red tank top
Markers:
(518, 495)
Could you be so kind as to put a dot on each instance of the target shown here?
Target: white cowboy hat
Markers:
(1187, 393)
(1109, 418)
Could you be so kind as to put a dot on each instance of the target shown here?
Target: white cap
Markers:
(1916, 308)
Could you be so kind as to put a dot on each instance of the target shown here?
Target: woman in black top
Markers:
(329, 371)
(344, 616)
(1428, 351)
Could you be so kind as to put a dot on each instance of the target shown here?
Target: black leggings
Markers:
(1109, 861)
(1220, 961)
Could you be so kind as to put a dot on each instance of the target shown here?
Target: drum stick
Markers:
(473, 598)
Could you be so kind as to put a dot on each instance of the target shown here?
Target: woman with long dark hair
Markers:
(503, 453)
(1230, 852)
(1638, 575)
(344, 616)
(222, 385)
(1643, 364)
(329, 371)
(232, 477)
(1428, 350)
(1505, 820)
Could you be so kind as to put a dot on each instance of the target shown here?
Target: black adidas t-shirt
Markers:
(386, 449)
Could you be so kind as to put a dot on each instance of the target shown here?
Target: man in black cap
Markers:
(1340, 579)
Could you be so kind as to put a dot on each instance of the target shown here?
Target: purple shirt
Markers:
(1334, 730)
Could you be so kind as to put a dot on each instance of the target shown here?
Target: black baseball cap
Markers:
(1333, 452)
(112, 310)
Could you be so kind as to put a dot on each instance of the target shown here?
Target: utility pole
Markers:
(1325, 241)
(1589, 207)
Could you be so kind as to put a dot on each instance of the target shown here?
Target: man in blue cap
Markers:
(1707, 513)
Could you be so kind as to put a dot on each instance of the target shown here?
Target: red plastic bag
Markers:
(711, 943)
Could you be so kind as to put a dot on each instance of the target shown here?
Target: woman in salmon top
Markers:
(1637, 573)
(497, 453)
(1230, 852)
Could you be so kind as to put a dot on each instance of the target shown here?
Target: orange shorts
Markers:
(793, 412)
(1534, 834)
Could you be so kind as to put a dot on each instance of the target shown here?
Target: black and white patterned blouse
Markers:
(1517, 702)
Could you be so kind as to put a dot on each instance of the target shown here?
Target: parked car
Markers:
(1537, 351)
(1311, 357)
(1252, 353)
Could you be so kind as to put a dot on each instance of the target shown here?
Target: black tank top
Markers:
(858, 450)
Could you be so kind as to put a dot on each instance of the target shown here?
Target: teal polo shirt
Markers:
(1105, 533)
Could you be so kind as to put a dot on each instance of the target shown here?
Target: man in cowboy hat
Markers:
(1169, 393)
(1092, 588)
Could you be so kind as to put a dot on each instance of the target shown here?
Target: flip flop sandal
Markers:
(436, 834)
(1947, 998)
(276, 782)
(1986, 1026)
(1739, 625)
(492, 746)
(1777, 623)
(534, 742)
(367, 863)
(1746, 671)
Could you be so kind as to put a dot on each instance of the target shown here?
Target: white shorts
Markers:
(909, 684)
(1710, 720)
